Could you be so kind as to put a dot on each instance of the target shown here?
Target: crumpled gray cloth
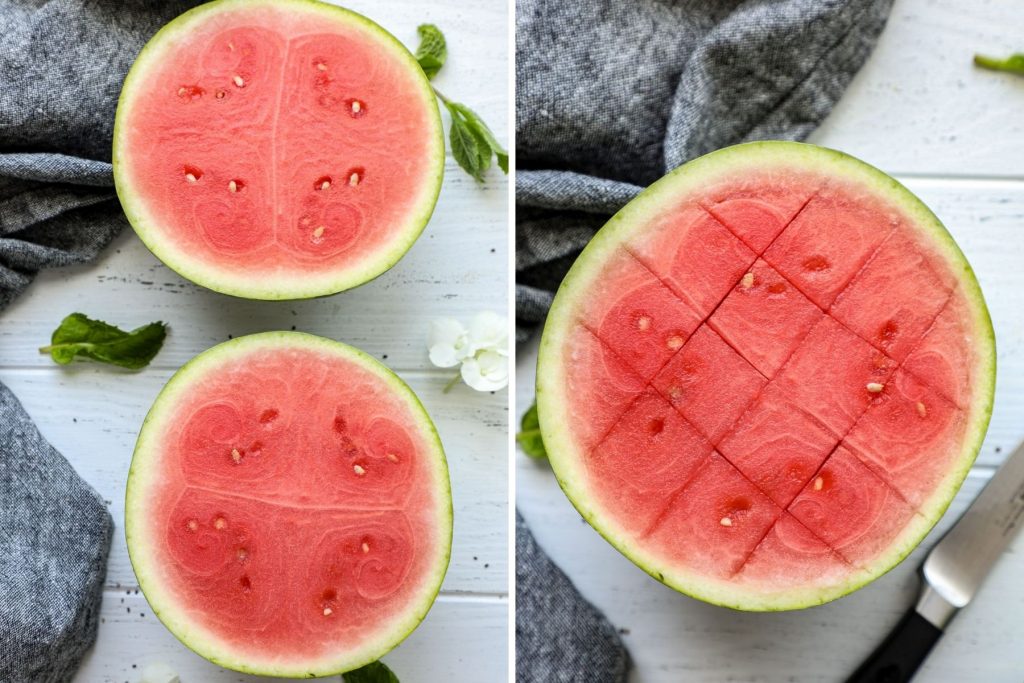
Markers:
(61, 67)
(612, 95)
(560, 637)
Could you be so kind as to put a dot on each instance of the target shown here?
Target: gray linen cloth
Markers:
(610, 96)
(61, 67)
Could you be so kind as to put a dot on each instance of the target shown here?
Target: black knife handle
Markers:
(897, 659)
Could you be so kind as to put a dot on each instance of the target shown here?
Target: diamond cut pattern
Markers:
(815, 381)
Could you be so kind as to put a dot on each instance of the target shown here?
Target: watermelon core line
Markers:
(759, 254)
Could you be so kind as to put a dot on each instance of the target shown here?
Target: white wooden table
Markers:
(955, 136)
(458, 267)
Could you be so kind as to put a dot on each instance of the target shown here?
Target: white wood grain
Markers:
(954, 135)
(457, 268)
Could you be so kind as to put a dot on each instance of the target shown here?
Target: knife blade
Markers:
(953, 571)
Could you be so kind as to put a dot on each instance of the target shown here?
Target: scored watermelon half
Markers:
(288, 510)
(766, 377)
(277, 149)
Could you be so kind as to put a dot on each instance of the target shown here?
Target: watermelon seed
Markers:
(220, 94)
(875, 387)
(643, 323)
(353, 179)
(358, 469)
(323, 183)
(220, 523)
(193, 525)
(816, 264)
(921, 409)
(747, 281)
(268, 416)
(238, 81)
(243, 554)
(357, 106)
(392, 457)
(235, 455)
(725, 521)
(231, 46)
(328, 611)
(819, 483)
(674, 342)
(366, 547)
(192, 174)
(232, 186)
(318, 235)
(190, 178)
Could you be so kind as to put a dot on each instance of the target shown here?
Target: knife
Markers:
(953, 572)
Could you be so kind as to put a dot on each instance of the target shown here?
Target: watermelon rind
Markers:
(554, 406)
(286, 286)
(140, 542)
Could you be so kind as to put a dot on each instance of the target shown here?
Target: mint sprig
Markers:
(529, 438)
(1013, 64)
(433, 50)
(472, 142)
(80, 336)
(375, 672)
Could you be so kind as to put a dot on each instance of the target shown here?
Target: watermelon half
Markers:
(277, 149)
(766, 377)
(288, 511)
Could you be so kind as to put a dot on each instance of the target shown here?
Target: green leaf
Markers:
(1013, 64)
(433, 51)
(529, 438)
(78, 335)
(474, 121)
(469, 148)
(375, 672)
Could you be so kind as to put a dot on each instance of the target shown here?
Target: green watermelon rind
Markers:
(288, 287)
(163, 604)
(566, 456)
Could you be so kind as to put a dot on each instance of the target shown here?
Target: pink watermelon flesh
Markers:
(827, 322)
(266, 145)
(294, 509)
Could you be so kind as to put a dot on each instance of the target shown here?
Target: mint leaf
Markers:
(375, 672)
(469, 147)
(529, 438)
(433, 51)
(1013, 64)
(474, 121)
(79, 335)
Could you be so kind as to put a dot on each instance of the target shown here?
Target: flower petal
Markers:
(487, 371)
(489, 331)
(445, 331)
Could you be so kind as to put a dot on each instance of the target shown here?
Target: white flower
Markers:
(487, 371)
(448, 342)
(481, 350)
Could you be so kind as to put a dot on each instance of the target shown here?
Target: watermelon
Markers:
(766, 376)
(288, 510)
(277, 149)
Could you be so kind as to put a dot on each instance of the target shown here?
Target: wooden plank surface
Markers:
(955, 136)
(457, 268)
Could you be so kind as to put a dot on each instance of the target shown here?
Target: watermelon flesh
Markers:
(277, 149)
(288, 507)
(830, 391)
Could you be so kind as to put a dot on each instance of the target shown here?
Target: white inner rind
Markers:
(288, 284)
(145, 550)
(555, 405)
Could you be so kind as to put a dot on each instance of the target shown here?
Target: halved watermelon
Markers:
(277, 149)
(766, 377)
(288, 511)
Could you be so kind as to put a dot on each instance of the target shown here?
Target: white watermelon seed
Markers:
(819, 483)
(366, 547)
(220, 94)
(747, 281)
(231, 46)
(321, 66)
(921, 409)
(674, 342)
(643, 323)
(353, 179)
(238, 81)
(358, 469)
(219, 523)
(326, 185)
(242, 554)
(875, 387)
(392, 457)
(328, 611)
(319, 232)
(356, 106)
(190, 178)
(725, 521)
(233, 186)
(181, 91)
(193, 525)
(235, 455)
